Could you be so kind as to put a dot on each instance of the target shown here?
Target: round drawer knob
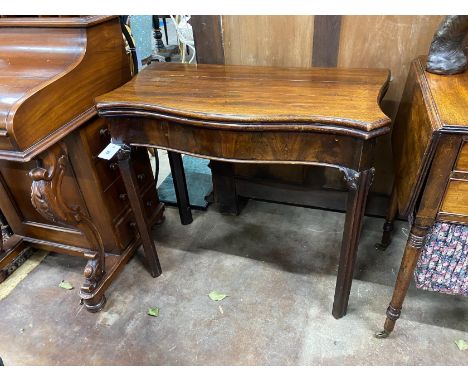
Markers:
(123, 196)
(113, 166)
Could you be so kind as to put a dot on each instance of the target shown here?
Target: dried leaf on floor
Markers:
(217, 296)
(153, 312)
(65, 285)
(462, 345)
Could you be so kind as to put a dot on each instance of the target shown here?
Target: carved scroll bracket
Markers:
(351, 176)
(124, 152)
(47, 199)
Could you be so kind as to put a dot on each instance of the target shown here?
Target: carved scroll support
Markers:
(351, 176)
(47, 199)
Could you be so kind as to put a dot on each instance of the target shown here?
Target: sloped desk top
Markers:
(50, 71)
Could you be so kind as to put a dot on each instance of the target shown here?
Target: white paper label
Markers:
(110, 150)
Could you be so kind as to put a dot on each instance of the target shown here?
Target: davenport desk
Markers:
(326, 117)
(54, 192)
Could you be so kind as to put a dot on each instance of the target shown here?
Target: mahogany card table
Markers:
(318, 116)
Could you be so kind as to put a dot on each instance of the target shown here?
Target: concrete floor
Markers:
(278, 265)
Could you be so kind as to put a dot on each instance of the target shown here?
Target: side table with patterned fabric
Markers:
(430, 149)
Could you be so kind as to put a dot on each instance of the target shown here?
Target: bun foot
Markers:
(95, 304)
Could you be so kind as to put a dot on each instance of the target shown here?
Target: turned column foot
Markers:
(95, 304)
(408, 263)
(392, 315)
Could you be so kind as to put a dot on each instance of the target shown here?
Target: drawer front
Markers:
(456, 198)
(107, 171)
(125, 230)
(116, 199)
(97, 136)
(462, 159)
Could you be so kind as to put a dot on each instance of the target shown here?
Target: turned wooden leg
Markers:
(136, 203)
(358, 184)
(388, 225)
(408, 263)
(180, 187)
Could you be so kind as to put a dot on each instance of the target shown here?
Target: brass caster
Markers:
(94, 308)
(381, 334)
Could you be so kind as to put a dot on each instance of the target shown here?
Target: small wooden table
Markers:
(325, 117)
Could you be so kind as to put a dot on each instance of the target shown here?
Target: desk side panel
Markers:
(413, 143)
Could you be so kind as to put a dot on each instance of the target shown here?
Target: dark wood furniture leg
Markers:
(224, 187)
(136, 202)
(388, 225)
(165, 29)
(408, 263)
(180, 187)
(358, 184)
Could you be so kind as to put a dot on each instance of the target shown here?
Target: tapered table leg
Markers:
(138, 208)
(388, 225)
(358, 184)
(180, 186)
(408, 263)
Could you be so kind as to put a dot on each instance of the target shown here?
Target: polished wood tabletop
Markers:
(449, 98)
(269, 96)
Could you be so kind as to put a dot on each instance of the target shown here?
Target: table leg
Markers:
(408, 263)
(388, 225)
(358, 184)
(180, 186)
(138, 207)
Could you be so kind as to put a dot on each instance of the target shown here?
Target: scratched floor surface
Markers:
(276, 263)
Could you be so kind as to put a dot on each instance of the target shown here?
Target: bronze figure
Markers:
(446, 55)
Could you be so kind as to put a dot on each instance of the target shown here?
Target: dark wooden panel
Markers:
(208, 36)
(268, 40)
(326, 40)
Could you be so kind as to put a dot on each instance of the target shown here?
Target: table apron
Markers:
(288, 147)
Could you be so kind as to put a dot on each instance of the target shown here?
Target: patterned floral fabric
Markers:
(443, 265)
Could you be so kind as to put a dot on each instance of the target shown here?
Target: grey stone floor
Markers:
(278, 265)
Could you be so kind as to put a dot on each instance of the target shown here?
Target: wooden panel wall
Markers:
(268, 40)
(385, 42)
(351, 41)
